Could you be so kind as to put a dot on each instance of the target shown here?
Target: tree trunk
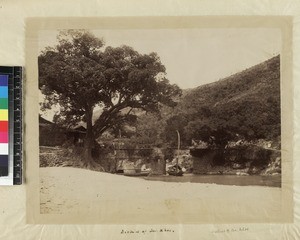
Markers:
(89, 144)
(164, 165)
(89, 139)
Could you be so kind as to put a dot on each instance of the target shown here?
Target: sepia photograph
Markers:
(168, 114)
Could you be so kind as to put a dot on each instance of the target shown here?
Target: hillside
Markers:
(262, 79)
(244, 105)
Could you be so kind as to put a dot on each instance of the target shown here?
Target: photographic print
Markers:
(143, 121)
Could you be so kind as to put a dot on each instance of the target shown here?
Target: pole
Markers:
(178, 137)
(178, 147)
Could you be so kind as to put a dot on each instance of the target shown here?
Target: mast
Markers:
(178, 146)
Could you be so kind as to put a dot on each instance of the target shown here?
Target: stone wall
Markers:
(203, 160)
(252, 159)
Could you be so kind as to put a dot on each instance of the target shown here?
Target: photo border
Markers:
(34, 25)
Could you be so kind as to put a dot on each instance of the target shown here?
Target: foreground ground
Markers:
(66, 190)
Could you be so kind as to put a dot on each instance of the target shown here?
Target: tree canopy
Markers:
(80, 74)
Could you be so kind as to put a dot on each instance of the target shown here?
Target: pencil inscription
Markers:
(147, 231)
(230, 230)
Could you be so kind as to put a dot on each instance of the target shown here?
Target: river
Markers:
(251, 180)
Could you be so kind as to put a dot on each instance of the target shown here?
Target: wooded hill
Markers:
(245, 105)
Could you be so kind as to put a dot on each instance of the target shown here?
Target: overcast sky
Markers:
(193, 57)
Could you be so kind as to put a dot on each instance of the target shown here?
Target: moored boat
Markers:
(175, 170)
(136, 172)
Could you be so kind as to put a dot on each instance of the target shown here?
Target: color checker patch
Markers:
(3, 165)
(3, 115)
(3, 103)
(3, 137)
(4, 80)
(4, 148)
(4, 128)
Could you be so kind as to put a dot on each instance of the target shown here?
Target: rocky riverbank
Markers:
(235, 161)
(241, 160)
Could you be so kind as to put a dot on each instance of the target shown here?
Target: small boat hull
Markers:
(136, 173)
(179, 173)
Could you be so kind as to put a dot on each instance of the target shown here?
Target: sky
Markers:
(194, 57)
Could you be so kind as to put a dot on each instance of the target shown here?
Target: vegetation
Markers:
(245, 105)
(126, 93)
(79, 75)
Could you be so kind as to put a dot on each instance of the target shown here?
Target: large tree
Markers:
(79, 75)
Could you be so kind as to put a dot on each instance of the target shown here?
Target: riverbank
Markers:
(66, 190)
(231, 180)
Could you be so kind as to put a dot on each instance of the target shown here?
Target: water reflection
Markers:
(254, 180)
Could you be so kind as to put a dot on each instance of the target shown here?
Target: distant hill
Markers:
(261, 79)
(243, 105)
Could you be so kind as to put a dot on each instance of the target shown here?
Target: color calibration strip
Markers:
(11, 126)
(4, 129)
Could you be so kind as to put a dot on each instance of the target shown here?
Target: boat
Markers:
(136, 172)
(175, 170)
